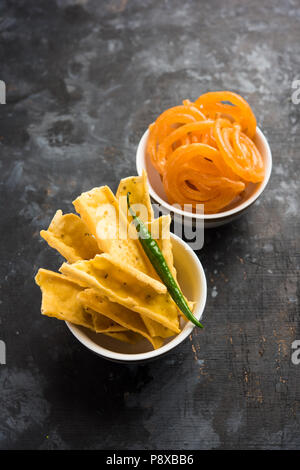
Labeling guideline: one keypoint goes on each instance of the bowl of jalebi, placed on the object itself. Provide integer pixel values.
(205, 159)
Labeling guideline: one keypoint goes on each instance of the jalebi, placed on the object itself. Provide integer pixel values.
(215, 103)
(204, 150)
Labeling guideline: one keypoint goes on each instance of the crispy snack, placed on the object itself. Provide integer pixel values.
(121, 285)
(160, 230)
(138, 187)
(158, 261)
(69, 235)
(127, 251)
(102, 323)
(126, 337)
(109, 285)
(115, 274)
(59, 300)
(100, 211)
(91, 299)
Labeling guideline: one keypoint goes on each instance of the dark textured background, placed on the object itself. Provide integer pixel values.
(84, 79)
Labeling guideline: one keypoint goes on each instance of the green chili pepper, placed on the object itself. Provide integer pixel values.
(158, 261)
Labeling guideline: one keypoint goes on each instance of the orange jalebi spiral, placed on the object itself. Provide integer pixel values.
(165, 123)
(238, 151)
(215, 103)
(182, 133)
(191, 177)
(204, 151)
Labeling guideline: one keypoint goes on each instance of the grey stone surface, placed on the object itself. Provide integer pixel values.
(84, 79)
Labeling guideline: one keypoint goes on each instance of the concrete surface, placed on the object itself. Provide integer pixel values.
(84, 79)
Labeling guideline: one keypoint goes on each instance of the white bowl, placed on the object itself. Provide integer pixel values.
(156, 189)
(192, 281)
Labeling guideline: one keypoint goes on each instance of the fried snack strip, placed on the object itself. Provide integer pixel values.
(69, 235)
(91, 299)
(103, 222)
(59, 300)
(124, 286)
(100, 210)
(138, 188)
(102, 323)
(160, 230)
(126, 337)
(161, 225)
